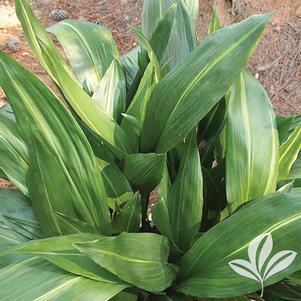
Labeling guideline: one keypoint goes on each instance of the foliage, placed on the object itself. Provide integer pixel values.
(184, 122)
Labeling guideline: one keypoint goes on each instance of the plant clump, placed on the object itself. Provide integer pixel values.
(183, 123)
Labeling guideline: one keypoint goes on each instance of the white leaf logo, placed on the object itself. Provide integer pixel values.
(259, 268)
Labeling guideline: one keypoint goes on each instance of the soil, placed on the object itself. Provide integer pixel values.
(276, 62)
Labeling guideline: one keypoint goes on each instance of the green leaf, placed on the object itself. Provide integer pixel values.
(284, 123)
(61, 252)
(89, 48)
(116, 203)
(161, 35)
(12, 200)
(138, 106)
(17, 224)
(214, 22)
(150, 51)
(3, 175)
(17, 216)
(242, 298)
(193, 10)
(164, 185)
(185, 198)
(296, 122)
(126, 295)
(110, 93)
(116, 184)
(37, 279)
(7, 112)
(154, 50)
(295, 172)
(250, 117)
(182, 39)
(137, 258)
(151, 15)
(144, 171)
(288, 152)
(128, 219)
(23, 222)
(179, 94)
(133, 126)
(286, 186)
(38, 110)
(161, 219)
(160, 298)
(48, 188)
(14, 156)
(281, 292)
(130, 66)
(9, 239)
(214, 195)
(293, 286)
(210, 130)
(71, 225)
(87, 109)
(205, 269)
(297, 185)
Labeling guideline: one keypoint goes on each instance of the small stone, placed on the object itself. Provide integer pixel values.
(99, 23)
(13, 44)
(59, 14)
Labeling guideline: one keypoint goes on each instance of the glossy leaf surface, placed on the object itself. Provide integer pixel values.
(251, 162)
(205, 269)
(191, 88)
(89, 48)
(141, 264)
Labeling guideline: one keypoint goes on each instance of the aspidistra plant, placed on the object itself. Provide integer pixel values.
(182, 123)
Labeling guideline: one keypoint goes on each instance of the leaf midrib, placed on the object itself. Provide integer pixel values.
(129, 259)
(269, 230)
(205, 71)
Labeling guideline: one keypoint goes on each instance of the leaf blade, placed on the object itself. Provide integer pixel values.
(16, 283)
(288, 152)
(110, 92)
(14, 158)
(250, 116)
(177, 94)
(89, 48)
(91, 114)
(203, 269)
(133, 262)
(38, 110)
(61, 252)
(185, 198)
